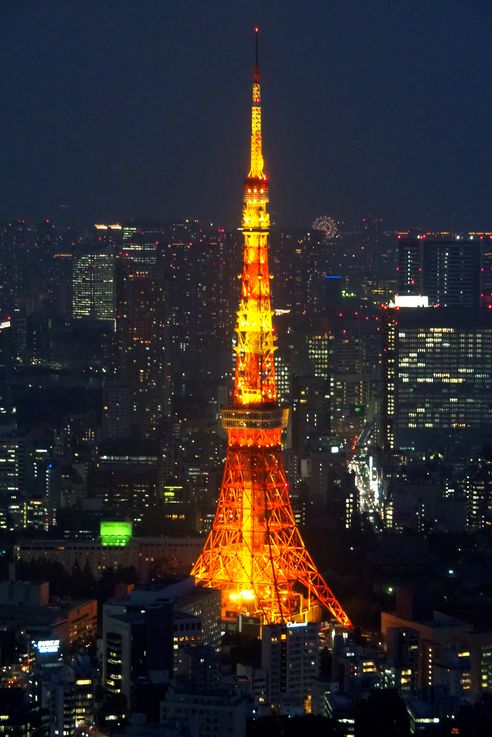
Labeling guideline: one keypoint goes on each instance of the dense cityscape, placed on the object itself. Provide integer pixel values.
(225, 516)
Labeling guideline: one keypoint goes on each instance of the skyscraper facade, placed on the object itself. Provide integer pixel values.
(437, 367)
(12, 246)
(142, 335)
(94, 286)
(446, 270)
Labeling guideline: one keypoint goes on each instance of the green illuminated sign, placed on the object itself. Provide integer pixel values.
(116, 533)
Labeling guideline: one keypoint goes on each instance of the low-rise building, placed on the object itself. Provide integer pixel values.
(207, 714)
(27, 606)
(172, 554)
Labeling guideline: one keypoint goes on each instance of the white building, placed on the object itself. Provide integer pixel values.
(290, 656)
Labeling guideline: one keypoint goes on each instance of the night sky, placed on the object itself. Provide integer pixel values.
(124, 108)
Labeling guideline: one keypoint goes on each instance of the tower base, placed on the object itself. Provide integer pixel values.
(252, 626)
(306, 612)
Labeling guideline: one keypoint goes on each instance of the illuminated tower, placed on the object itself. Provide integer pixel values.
(254, 552)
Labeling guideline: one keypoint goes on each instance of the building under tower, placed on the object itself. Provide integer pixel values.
(254, 553)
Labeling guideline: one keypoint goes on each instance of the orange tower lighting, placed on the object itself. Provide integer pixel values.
(254, 552)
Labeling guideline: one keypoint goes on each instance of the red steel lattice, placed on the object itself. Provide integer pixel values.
(254, 552)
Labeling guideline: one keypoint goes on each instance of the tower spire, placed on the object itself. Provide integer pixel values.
(256, 167)
(254, 552)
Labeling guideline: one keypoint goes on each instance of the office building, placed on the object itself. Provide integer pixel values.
(142, 331)
(478, 491)
(59, 281)
(20, 717)
(115, 423)
(13, 236)
(445, 269)
(66, 697)
(290, 657)
(126, 476)
(25, 605)
(94, 285)
(141, 243)
(310, 410)
(354, 372)
(486, 270)
(12, 480)
(437, 650)
(137, 644)
(355, 668)
(318, 348)
(437, 375)
(144, 631)
(36, 515)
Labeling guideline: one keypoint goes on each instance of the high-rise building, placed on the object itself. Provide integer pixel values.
(143, 350)
(318, 347)
(12, 467)
(374, 249)
(13, 238)
(478, 490)
(60, 282)
(437, 376)
(208, 299)
(254, 553)
(67, 698)
(290, 252)
(180, 257)
(115, 423)
(142, 332)
(48, 269)
(143, 632)
(135, 642)
(36, 514)
(354, 372)
(446, 270)
(108, 236)
(141, 243)
(290, 657)
(310, 410)
(94, 286)
(486, 270)
(126, 478)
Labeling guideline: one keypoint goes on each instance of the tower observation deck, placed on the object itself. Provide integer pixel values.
(254, 552)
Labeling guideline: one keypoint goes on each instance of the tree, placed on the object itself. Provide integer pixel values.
(283, 726)
(383, 714)
(476, 720)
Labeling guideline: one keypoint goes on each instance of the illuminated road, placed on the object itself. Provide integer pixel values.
(360, 468)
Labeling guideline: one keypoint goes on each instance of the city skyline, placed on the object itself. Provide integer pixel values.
(179, 434)
(125, 116)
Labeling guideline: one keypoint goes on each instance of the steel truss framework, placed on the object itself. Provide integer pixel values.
(254, 552)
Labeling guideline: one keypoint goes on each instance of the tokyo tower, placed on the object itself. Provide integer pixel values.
(254, 552)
